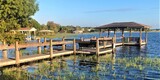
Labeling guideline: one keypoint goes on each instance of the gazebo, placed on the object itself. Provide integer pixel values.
(126, 26)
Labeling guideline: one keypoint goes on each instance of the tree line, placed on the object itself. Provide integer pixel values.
(15, 14)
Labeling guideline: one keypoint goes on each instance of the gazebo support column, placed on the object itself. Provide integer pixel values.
(100, 33)
(140, 37)
(34, 34)
(130, 35)
(122, 36)
(108, 32)
(114, 35)
(146, 36)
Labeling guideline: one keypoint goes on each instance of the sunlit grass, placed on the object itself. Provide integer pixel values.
(59, 35)
(59, 69)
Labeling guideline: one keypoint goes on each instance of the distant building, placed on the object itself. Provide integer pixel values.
(29, 32)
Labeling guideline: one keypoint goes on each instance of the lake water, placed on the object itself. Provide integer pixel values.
(127, 63)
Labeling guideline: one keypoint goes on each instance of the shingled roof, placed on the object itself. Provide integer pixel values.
(123, 25)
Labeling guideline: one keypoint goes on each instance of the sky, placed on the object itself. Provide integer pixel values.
(92, 13)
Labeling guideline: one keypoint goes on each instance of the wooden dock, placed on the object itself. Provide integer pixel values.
(94, 45)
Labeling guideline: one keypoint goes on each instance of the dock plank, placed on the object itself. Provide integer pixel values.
(7, 62)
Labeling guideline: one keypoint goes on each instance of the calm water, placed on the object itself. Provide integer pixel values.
(114, 70)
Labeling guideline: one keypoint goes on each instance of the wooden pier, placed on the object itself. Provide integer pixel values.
(97, 46)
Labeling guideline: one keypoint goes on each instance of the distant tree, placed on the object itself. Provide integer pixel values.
(78, 28)
(35, 24)
(53, 26)
(44, 27)
(16, 13)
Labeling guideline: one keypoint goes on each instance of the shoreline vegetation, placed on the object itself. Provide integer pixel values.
(59, 68)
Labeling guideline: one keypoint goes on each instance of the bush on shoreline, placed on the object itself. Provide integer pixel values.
(11, 38)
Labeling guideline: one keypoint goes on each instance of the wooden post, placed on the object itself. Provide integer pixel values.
(113, 45)
(122, 36)
(74, 46)
(45, 48)
(100, 32)
(4, 52)
(104, 43)
(130, 35)
(39, 47)
(140, 37)
(17, 53)
(45, 40)
(51, 49)
(114, 35)
(63, 45)
(146, 36)
(97, 46)
(108, 32)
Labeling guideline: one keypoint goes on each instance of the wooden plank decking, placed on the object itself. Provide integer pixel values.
(99, 46)
(35, 57)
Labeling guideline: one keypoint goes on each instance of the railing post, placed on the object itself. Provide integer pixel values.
(51, 49)
(45, 40)
(113, 45)
(74, 46)
(140, 42)
(104, 43)
(39, 47)
(63, 45)
(140, 37)
(45, 48)
(17, 53)
(4, 51)
(97, 46)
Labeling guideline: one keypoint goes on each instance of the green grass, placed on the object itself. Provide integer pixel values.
(59, 66)
(59, 35)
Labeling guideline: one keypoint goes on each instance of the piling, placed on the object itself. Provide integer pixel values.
(113, 45)
(104, 43)
(63, 45)
(17, 53)
(74, 46)
(51, 49)
(97, 46)
(39, 47)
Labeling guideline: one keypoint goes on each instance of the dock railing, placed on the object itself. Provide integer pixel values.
(5, 47)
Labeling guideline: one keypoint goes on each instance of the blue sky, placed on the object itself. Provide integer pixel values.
(98, 12)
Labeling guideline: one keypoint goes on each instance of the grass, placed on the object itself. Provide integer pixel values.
(59, 35)
(60, 69)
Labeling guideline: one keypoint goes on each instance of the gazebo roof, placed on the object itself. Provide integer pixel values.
(123, 25)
